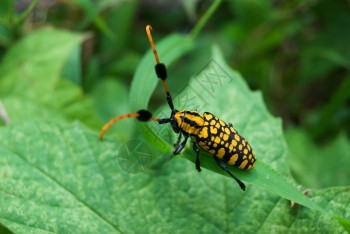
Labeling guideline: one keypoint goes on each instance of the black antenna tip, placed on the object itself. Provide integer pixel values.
(144, 115)
(161, 71)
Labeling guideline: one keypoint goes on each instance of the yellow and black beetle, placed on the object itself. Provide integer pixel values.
(207, 132)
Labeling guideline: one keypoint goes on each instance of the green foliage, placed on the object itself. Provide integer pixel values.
(309, 159)
(68, 187)
(56, 176)
(31, 86)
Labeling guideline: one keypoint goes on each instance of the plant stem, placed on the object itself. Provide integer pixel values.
(202, 21)
(11, 11)
(26, 12)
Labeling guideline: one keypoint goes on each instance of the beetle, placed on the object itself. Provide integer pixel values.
(207, 132)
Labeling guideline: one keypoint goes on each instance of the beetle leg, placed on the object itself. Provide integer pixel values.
(179, 147)
(176, 145)
(223, 166)
(196, 149)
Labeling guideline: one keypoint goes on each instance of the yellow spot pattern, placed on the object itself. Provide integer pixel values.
(237, 137)
(233, 159)
(245, 151)
(223, 141)
(221, 153)
(205, 147)
(234, 143)
(243, 164)
(230, 148)
(213, 130)
(208, 117)
(225, 137)
(204, 132)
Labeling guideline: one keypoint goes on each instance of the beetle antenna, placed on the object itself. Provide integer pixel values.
(160, 68)
(141, 115)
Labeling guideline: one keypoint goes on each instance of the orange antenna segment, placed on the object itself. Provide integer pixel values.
(149, 35)
(155, 119)
(165, 86)
(114, 120)
(140, 115)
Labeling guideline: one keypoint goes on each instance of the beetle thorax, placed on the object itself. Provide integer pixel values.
(189, 122)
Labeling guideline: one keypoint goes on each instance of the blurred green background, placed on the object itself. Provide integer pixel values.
(296, 52)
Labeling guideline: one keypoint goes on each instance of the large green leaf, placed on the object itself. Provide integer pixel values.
(32, 67)
(70, 101)
(31, 86)
(20, 110)
(60, 178)
(49, 181)
(65, 103)
(220, 90)
(279, 217)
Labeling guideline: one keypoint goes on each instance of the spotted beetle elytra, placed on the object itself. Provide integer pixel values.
(207, 132)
